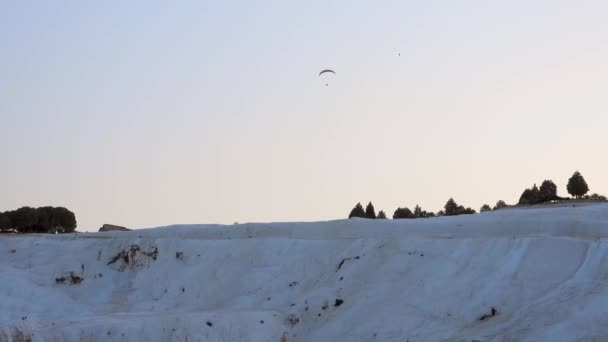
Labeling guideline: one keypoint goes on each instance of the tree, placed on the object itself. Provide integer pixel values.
(403, 213)
(5, 222)
(45, 220)
(530, 196)
(464, 211)
(419, 213)
(381, 215)
(42, 220)
(500, 204)
(596, 197)
(547, 191)
(577, 186)
(23, 219)
(370, 212)
(357, 211)
(535, 193)
(484, 208)
(65, 221)
(525, 197)
(450, 208)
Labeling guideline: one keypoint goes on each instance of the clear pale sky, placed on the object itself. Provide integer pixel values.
(146, 113)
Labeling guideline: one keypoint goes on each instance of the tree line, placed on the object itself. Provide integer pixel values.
(577, 187)
(52, 220)
(451, 208)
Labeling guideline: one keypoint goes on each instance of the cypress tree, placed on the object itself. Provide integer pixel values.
(370, 212)
(357, 211)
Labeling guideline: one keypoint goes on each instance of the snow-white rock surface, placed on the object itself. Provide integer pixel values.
(544, 271)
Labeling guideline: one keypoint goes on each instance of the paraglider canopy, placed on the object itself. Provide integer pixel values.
(327, 70)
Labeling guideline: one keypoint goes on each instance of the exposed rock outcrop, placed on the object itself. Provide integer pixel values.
(133, 258)
(110, 227)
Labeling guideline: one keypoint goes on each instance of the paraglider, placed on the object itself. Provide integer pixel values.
(325, 72)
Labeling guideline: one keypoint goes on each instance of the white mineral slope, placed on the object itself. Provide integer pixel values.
(544, 271)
